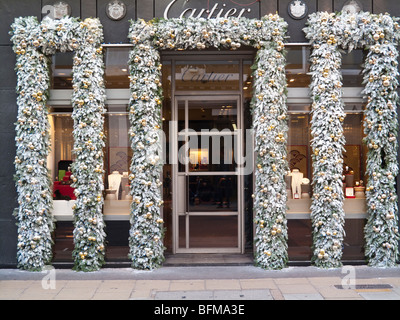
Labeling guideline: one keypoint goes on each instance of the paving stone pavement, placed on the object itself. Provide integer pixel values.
(203, 283)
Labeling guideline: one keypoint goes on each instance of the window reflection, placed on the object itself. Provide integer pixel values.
(62, 156)
(355, 150)
(212, 153)
(299, 144)
(207, 75)
(352, 68)
(247, 79)
(299, 148)
(298, 66)
(118, 155)
(210, 193)
(116, 67)
(61, 69)
(213, 115)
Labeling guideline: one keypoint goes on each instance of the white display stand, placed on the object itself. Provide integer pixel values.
(117, 209)
(300, 209)
(62, 210)
(113, 210)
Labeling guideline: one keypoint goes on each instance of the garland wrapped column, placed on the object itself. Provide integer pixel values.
(146, 233)
(327, 214)
(88, 108)
(270, 132)
(380, 34)
(33, 215)
(33, 43)
(270, 123)
(381, 129)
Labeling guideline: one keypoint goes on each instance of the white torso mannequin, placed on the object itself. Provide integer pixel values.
(114, 181)
(297, 176)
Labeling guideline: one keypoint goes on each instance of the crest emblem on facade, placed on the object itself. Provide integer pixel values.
(116, 10)
(61, 9)
(297, 9)
(352, 6)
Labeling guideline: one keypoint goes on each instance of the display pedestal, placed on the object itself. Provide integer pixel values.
(111, 194)
(305, 191)
(359, 192)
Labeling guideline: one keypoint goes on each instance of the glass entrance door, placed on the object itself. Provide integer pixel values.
(208, 198)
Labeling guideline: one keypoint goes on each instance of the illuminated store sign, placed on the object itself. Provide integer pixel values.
(195, 74)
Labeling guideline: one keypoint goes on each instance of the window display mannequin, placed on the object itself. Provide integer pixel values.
(297, 178)
(114, 182)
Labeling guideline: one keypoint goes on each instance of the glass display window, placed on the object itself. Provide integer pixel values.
(61, 70)
(299, 181)
(61, 157)
(115, 75)
(116, 67)
(208, 76)
(118, 155)
(356, 151)
(205, 75)
(298, 57)
(352, 68)
(247, 80)
(117, 199)
(117, 158)
(299, 154)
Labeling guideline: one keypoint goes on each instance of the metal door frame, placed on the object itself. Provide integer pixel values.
(179, 188)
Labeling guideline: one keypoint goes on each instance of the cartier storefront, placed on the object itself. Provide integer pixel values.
(209, 165)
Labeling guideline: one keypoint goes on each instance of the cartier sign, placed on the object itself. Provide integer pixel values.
(207, 9)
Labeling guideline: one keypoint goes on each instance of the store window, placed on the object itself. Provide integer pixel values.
(299, 182)
(116, 67)
(117, 199)
(117, 154)
(202, 76)
(61, 70)
(298, 63)
(352, 68)
(62, 155)
(299, 155)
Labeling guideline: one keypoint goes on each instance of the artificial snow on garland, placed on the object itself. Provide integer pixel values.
(379, 33)
(270, 127)
(33, 43)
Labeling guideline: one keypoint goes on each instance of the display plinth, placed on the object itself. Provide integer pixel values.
(300, 208)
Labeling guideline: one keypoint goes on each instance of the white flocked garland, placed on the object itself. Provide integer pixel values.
(379, 33)
(270, 127)
(33, 43)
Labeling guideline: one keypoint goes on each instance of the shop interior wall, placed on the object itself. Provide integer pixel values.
(114, 32)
